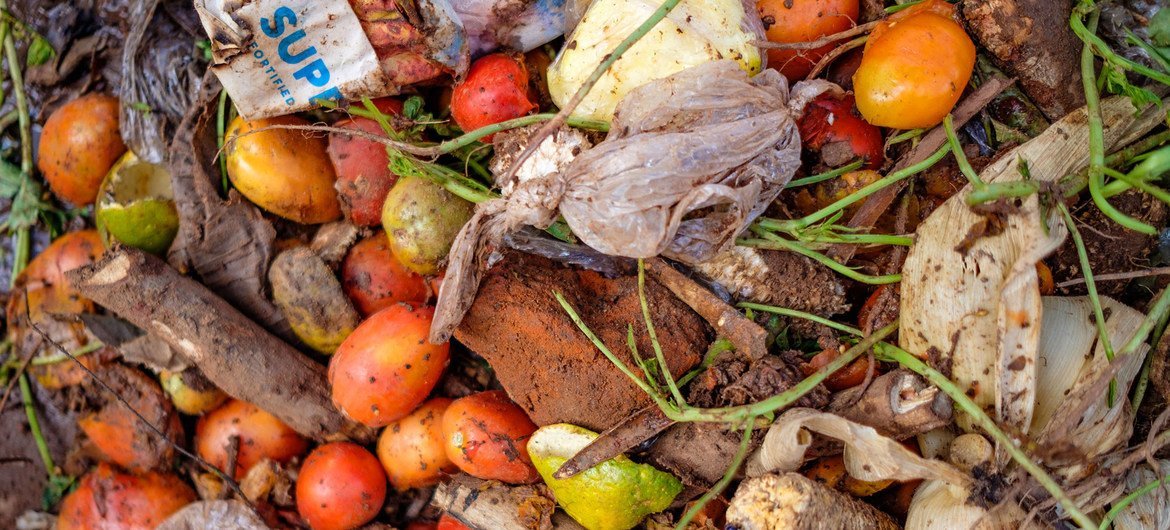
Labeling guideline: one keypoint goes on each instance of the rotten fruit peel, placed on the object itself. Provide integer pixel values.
(613, 495)
(692, 34)
(136, 205)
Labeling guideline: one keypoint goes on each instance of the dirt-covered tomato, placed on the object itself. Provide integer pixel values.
(283, 171)
(495, 90)
(79, 145)
(386, 367)
(117, 434)
(106, 499)
(803, 21)
(411, 449)
(832, 127)
(915, 66)
(486, 435)
(446, 522)
(363, 178)
(851, 375)
(259, 435)
(374, 279)
(340, 487)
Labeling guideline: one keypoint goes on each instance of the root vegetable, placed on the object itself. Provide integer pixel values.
(282, 171)
(374, 279)
(915, 66)
(793, 502)
(361, 165)
(803, 21)
(386, 367)
(236, 354)
(78, 146)
(259, 435)
(421, 220)
(309, 295)
(340, 487)
(486, 435)
(106, 499)
(411, 449)
(495, 90)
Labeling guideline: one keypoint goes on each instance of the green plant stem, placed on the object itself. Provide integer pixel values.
(22, 247)
(661, 357)
(1002, 190)
(782, 311)
(773, 242)
(26, 155)
(909, 361)
(961, 157)
(788, 397)
(716, 348)
(1143, 381)
(828, 175)
(845, 202)
(1134, 495)
(728, 476)
(34, 425)
(1091, 288)
(220, 115)
(907, 135)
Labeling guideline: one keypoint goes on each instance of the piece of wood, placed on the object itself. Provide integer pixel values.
(638, 428)
(489, 505)
(793, 502)
(233, 352)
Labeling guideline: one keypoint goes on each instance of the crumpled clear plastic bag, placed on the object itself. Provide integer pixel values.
(690, 161)
(519, 25)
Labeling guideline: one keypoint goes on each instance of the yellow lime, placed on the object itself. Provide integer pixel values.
(613, 495)
(136, 205)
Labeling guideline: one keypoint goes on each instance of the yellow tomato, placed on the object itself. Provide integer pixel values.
(283, 171)
(915, 66)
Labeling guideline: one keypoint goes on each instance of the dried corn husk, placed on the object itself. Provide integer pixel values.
(869, 456)
(976, 307)
(1152, 510)
(937, 505)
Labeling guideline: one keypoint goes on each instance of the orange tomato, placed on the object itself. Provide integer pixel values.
(914, 68)
(340, 487)
(803, 21)
(851, 375)
(283, 171)
(261, 436)
(486, 435)
(386, 367)
(1044, 275)
(106, 499)
(411, 449)
(374, 279)
(446, 522)
(78, 146)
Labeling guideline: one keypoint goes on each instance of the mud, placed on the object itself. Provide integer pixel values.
(547, 365)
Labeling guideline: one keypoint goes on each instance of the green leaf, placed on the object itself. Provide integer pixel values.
(140, 107)
(413, 108)
(10, 180)
(56, 489)
(1117, 83)
(203, 49)
(39, 51)
(1159, 27)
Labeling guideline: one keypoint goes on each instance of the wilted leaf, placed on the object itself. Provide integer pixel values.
(39, 51)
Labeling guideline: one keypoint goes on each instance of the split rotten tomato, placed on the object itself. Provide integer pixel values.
(107, 499)
(833, 127)
(790, 21)
(486, 435)
(260, 435)
(915, 66)
(495, 90)
(340, 487)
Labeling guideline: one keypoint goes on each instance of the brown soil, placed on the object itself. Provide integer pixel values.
(547, 365)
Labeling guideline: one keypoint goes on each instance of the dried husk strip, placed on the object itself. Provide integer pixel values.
(869, 456)
(1149, 511)
(975, 307)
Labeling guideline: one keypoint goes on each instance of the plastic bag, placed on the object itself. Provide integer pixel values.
(689, 162)
(520, 25)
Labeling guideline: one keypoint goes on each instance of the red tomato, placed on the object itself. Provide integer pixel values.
(495, 90)
(386, 367)
(851, 375)
(833, 127)
(340, 487)
(363, 175)
(446, 522)
(411, 449)
(486, 435)
(261, 435)
(106, 499)
(422, 525)
(374, 279)
(803, 21)
(915, 66)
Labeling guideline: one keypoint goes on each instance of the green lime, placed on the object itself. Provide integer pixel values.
(613, 495)
(136, 205)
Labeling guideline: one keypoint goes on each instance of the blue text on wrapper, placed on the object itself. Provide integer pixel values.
(315, 73)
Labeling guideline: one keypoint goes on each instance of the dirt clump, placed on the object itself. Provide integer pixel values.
(547, 365)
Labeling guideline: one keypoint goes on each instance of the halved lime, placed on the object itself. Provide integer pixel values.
(136, 205)
(613, 495)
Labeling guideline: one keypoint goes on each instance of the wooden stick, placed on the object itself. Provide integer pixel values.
(489, 505)
(233, 352)
(793, 502)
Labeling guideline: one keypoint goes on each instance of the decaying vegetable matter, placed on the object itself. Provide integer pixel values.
(585, 265)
